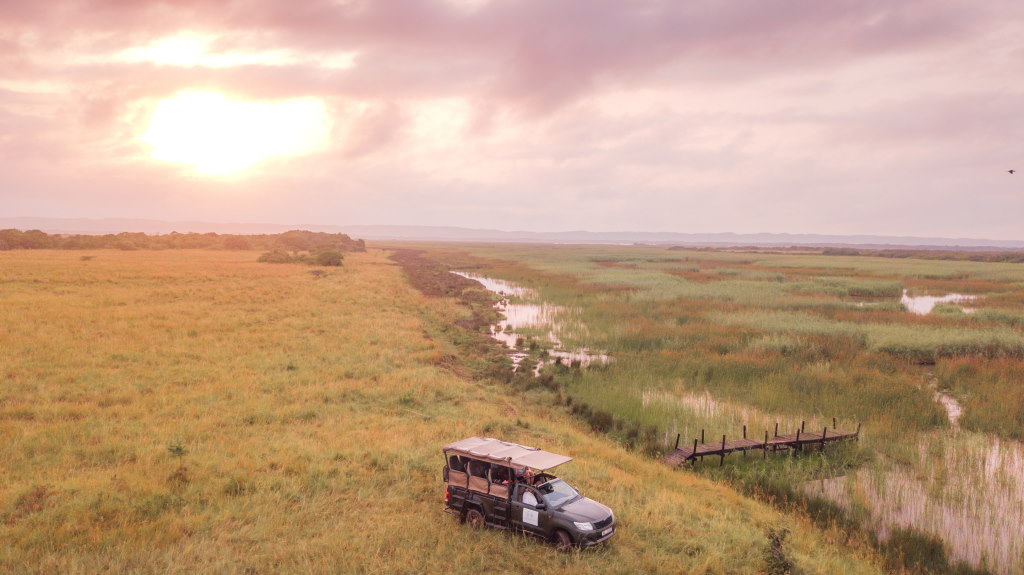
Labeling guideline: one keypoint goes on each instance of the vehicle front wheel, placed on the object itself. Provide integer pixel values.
(475, 518)
(562, 540)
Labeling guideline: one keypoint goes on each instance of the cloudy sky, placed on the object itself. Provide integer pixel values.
(799, 116)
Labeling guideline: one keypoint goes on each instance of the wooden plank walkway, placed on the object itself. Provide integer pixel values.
(794, 441)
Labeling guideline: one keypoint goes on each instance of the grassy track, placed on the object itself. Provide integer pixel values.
(198, 412)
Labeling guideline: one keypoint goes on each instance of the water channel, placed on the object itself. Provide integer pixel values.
(923, 305)
(517, 314)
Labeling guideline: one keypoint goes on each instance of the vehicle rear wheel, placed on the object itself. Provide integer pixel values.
(562, 540)
(475, 518)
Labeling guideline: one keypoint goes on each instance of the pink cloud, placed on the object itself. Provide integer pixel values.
(537, 55)
(373, 129)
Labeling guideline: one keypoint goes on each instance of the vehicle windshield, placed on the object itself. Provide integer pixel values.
(557, 493)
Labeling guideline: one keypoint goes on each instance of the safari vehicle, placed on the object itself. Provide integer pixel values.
(507, 486)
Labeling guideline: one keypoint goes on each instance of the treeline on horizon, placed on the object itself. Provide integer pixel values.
(1012, 257)
(988, 255)
(290, 241)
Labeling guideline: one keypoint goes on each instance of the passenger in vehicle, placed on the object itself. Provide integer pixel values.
(529, 498)
(500, 475)
(478, 468)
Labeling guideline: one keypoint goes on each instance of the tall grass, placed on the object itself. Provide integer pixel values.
(198, 412)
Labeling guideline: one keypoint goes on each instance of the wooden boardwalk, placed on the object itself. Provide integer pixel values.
(795, 441)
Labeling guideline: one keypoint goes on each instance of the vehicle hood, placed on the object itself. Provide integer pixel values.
(587, 509)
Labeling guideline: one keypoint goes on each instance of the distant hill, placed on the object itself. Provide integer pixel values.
(456, 234)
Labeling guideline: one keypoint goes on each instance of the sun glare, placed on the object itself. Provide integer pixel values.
(217, 136)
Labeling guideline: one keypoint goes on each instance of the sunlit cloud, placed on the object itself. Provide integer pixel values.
(470, 5)
(440, 122)
(200, 50)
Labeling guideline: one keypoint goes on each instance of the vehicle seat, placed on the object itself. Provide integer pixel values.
(458, 478)
(478, 476)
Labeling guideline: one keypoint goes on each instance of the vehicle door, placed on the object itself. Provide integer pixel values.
(530, 511)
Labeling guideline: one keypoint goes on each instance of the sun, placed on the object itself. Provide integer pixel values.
(217, 136)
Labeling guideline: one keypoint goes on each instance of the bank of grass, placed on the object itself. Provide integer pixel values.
(198, 412)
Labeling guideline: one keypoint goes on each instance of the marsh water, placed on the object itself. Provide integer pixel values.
(521, 309)
(964, 488)
(924, 304)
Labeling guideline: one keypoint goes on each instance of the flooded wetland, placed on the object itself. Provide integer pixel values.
(925, 354)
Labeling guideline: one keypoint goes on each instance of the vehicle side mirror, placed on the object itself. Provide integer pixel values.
(445, 474)
(541, 506)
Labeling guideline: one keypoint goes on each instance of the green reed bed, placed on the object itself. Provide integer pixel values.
(848, 287)
(924, 344)
(914, 342)
(1009, 318)
(905, 268)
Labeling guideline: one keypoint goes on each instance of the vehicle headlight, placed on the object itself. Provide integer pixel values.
(583, 526)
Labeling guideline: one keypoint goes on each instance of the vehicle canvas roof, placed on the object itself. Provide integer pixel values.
(510, 454)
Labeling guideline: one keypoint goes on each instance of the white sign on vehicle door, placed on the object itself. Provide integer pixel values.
(530, 517)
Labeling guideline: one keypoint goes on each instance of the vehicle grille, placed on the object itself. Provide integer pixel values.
(599, 525)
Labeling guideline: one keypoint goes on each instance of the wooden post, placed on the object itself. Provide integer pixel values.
(694, 454)
(797, 446)
(702, 436)
(858, 432)
(722, 462)
(834, 423)
(678, 435)
(802, 423)
(744, 432)
(824, 432)
(765, 450)
(776, 429)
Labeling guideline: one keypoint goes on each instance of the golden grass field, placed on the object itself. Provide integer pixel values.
(198, 412)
